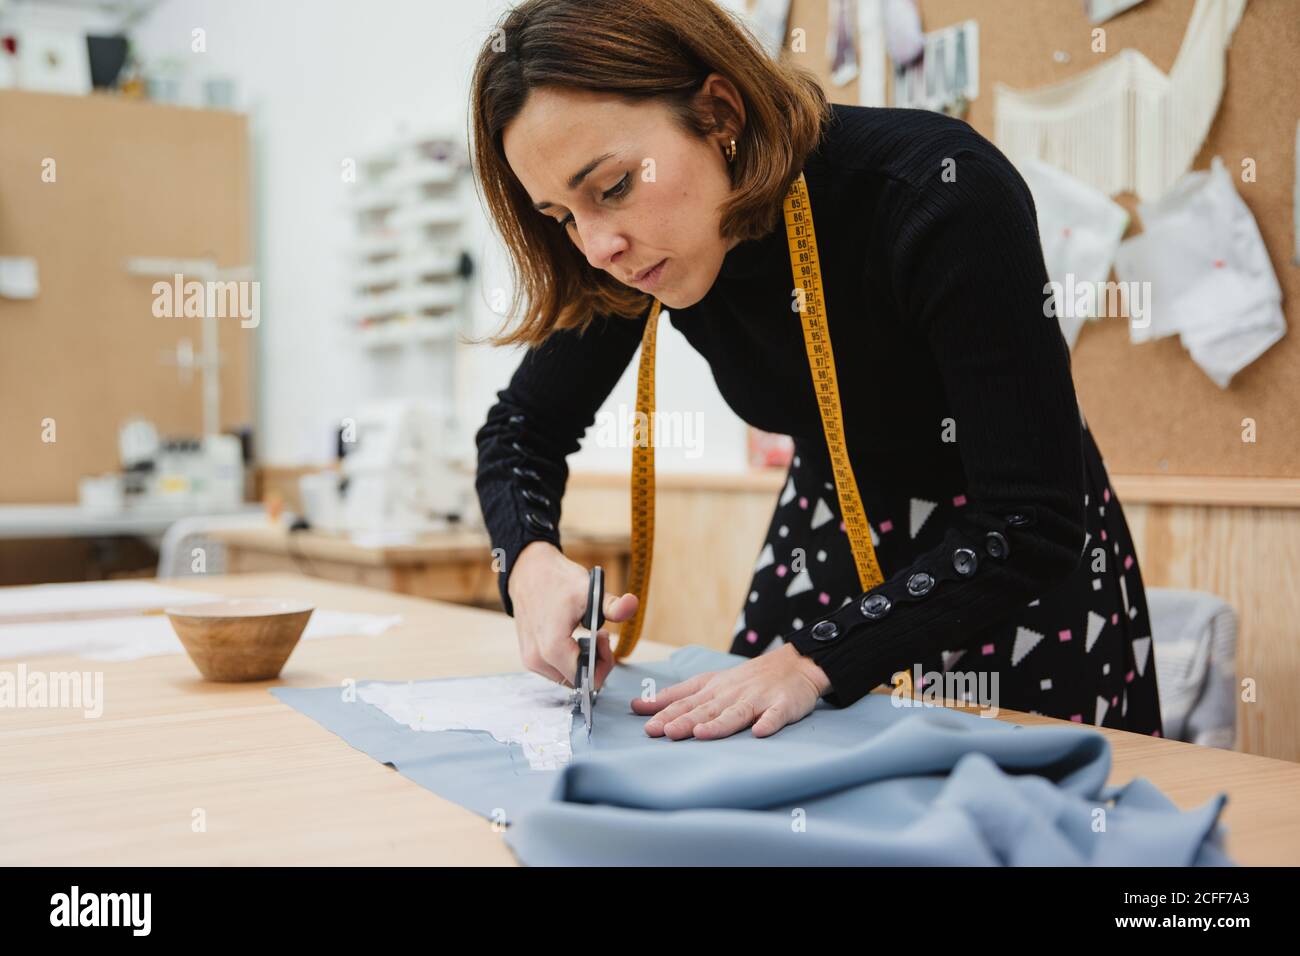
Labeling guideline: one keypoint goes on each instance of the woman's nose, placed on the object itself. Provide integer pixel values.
(600, 246)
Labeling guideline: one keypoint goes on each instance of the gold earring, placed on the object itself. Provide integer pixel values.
(731, 152)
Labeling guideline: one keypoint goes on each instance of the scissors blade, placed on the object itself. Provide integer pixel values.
(594, 617)
(587, 702)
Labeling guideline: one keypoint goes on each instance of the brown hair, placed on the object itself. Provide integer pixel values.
(639, 50)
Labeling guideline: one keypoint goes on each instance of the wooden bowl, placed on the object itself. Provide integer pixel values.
(240, 639)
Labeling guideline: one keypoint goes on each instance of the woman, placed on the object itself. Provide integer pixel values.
(630, 150)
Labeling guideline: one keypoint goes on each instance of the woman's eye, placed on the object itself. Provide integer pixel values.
(618, 189)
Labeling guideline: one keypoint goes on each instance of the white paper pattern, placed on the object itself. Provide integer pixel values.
(108, 598)
(130, 638)
(523, 709)
(1080, 229)
(1210, 275)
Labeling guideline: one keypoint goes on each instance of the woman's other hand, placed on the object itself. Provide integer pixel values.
(768, 692)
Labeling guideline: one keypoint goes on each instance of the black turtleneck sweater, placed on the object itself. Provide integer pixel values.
(934, 282)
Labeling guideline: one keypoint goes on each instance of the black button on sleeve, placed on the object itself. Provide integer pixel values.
(965, 561)
(825, 631)
(537, 522)
(1022, 518)
(535, 497)
(920, 584)
(875, 606)
(996, 545)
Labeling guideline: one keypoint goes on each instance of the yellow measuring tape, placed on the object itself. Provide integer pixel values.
(643, 489)
(806, 269)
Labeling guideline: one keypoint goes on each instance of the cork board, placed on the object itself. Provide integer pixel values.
(131, 179)
(1152, 410)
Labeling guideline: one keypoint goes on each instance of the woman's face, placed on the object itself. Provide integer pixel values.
(631, 189)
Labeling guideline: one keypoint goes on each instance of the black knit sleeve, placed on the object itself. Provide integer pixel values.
(537, 422)
(969, 275)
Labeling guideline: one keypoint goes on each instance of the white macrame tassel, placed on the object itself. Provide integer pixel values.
(1124, 126)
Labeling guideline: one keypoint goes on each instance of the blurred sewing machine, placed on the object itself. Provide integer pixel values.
(176, 475)
(397, 474)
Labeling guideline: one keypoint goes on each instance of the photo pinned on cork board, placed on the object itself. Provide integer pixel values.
(945, 78)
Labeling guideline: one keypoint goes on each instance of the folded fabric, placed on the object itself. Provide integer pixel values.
(1209, 274)
(1195, 634)
(932, 787)
(1080, 228)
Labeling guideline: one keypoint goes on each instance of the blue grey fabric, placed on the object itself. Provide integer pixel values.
(869, 784)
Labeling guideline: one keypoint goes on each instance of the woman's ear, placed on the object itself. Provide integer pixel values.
(720, 96)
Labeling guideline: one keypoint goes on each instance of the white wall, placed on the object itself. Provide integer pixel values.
(322, 80)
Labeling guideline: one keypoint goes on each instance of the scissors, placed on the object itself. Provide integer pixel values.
(584, 688)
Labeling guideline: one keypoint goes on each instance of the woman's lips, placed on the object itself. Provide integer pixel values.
(647, 282)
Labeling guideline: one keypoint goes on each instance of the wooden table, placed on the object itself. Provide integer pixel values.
(454, 566)
(277, 788)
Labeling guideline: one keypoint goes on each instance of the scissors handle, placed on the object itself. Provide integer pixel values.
(596, 599)
(593, 616)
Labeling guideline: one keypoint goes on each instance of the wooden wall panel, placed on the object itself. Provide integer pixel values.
(1248, 557)
(132, 179)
